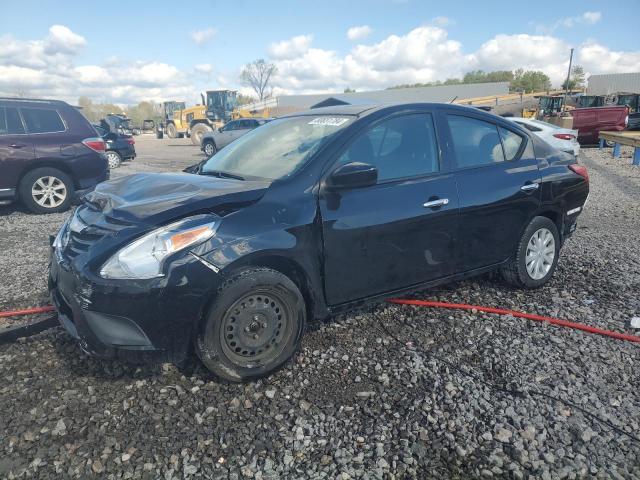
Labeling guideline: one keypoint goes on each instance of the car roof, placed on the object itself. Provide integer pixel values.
(18, 101)
(362, 110)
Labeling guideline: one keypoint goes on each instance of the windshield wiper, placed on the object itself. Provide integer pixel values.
(221, 174)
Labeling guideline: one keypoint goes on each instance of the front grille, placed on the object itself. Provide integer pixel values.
(87, 227)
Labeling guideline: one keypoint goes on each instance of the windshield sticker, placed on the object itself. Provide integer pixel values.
(329, 121)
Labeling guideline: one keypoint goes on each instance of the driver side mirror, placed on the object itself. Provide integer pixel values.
(195, 169)
(352, 175)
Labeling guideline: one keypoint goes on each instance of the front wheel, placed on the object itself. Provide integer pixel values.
(172, 131)
(254, 326)
(209, 148)
(536, 257)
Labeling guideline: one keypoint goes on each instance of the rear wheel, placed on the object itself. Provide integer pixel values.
(172, 131)
(197, 132)
(536, 257)
(114, 159)
(254, 326)
(46, 190)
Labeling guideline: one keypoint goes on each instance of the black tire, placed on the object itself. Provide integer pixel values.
(209, 148)
(30, 182)
(609, 144)
(114, 159)
(515, 272)
(172, 131)
(254, 326)
(197, 132)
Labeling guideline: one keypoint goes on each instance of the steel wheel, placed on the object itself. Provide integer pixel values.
(49, 192)
(541, 251)
(256, 328)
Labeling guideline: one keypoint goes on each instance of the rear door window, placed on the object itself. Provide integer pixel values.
(10, 122)
(41, 120)
(511, 142)
(475, 142)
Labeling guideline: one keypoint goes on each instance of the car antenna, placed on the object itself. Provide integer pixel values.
(453, 99)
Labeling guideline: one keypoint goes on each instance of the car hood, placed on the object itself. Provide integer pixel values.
(151, 198)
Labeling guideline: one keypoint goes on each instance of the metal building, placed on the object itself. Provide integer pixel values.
(613, 83)
(443, 93)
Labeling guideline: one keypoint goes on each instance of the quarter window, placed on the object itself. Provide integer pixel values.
(10, 123)
(511, 142)
(475, 142)
(400, 147)
(40, 120)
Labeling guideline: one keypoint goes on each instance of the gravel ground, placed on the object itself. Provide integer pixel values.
(386, 392)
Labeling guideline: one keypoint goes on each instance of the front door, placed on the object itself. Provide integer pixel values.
(399, 232)
(16, 150)
(499, 187)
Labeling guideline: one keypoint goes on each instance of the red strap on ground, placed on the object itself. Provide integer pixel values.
(27, 311)
(513, 313)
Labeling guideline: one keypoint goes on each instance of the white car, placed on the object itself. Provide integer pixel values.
(561, 138)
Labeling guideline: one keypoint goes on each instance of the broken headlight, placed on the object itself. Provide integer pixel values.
(143, 258)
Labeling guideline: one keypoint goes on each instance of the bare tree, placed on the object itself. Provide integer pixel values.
(257, 75)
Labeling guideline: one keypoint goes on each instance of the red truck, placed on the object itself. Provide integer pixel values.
(591, 121)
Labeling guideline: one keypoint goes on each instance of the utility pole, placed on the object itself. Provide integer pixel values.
(566, 85)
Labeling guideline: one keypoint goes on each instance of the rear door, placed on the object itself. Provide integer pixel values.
(16, 150)
(498, 184)
(399, 232)
(49, 134)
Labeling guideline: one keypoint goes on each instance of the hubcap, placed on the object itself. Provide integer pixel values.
(541, 251)
(113, 160)
(255, 329)
(208, 149)
(49, 192)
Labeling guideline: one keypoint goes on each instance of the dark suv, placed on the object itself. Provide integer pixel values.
(49, 154)
(305, 217)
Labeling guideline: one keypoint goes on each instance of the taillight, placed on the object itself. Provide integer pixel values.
(96, 144)
(131, 141)
(580, 170)
(564, 136)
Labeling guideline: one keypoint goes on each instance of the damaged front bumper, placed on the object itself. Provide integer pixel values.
(133, 319)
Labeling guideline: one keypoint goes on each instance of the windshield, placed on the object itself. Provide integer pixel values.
(275, 149)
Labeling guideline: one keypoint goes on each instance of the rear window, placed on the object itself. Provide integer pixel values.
(10, 123)
(475, 142)
(41, 120)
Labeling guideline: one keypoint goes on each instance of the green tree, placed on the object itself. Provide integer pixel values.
(349, 90)
(529, 81)
(576, 80)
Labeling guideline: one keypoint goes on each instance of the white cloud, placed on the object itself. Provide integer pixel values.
(442, 21)
(50, 67)
(291, 48)
(426, 54)
(204, 68)
(46, 68)
(359, 32)
(201, 37)
(587, 18)
(62, 40)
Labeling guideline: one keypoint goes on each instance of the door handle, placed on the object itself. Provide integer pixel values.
(436, 203)
(528, 187)
(17, 145)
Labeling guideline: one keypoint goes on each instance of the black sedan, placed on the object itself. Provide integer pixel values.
(305, 217)
(120, 146)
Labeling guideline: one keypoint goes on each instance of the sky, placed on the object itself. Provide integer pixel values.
(126, 52)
